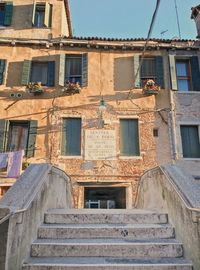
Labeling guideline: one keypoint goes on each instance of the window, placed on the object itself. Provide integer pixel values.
(73, 68)
(71, 137)
(129, 137)
(152, 68)
(42, 14)
(2, 69)
(183, 75)
(190, 141)
(6, 11)
(18, 135)
(43, 72)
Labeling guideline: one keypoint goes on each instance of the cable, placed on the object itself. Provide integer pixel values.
(177, 18)
(147, 40)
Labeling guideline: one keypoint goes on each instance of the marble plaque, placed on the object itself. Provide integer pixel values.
(100, 144)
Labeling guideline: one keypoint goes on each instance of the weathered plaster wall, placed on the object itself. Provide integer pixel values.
(110, 74)
(21, 26)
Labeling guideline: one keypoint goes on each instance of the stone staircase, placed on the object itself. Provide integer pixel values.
(101, 239)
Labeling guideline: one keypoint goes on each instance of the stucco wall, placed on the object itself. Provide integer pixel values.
(111, 75)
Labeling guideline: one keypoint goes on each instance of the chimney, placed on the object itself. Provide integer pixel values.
(196, 17)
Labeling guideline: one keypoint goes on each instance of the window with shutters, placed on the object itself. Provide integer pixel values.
(184, 72)
(6, 12)
(148, 70)
(42, 15)
(18, 135)
(129, 137)
(190, 141)
(71, 137)
(35, 72)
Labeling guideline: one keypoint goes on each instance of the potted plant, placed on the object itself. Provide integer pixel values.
(72, 88)
(35, 88)
(151, 88)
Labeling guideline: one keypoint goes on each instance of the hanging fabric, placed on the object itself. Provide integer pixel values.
(15, 164)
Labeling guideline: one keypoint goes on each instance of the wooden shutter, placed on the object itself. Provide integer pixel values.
(84, 82)
(129, 138)
(137, 82)
(4, 128)
(2, 69)
(47, 13)
(71, 137)
(26, 72)
(51, 73)
(160, 71)
(33, 14)
(62, 70)
(8, 13)
(172, 66)
(32, 133)
(194, 61)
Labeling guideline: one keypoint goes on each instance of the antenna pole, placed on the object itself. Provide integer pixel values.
(177, 18)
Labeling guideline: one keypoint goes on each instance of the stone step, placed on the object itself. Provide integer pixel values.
(106, 248)
(133, 231)
(104, 263)
(99, 216)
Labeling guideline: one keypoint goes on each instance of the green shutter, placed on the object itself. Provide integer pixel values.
(2, 69)
(129, 137)
(84, 81)
(32, 133)
(62, 70)
(26, 72)
(33, 14)
(190, 141)
(194, 61)
(71, 137)
(137, 82)
(47, 13)
(51, 73)
(160, 72)
(4, 128)
(172, 66)
(8, 13)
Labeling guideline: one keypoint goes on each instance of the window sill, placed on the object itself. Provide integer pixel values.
(188, 92)
(70, 157)
(131, 157)
(197, 159)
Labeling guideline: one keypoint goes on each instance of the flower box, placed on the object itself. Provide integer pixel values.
(72, 88)
(151, 88)
(35, 88)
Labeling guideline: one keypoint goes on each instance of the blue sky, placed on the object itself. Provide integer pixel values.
(131, 18)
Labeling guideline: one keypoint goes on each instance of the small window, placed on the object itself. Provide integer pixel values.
(183, 75)
(73, 70)
(155, 132)
(42, 15)
(190, 141)
(71, 137)
(129, 137)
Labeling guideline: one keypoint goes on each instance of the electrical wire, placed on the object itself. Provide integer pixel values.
(147, 40)
(177, 19)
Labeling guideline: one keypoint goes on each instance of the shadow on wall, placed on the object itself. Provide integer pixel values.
(123, 73)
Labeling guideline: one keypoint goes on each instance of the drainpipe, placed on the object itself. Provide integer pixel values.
(173, 132)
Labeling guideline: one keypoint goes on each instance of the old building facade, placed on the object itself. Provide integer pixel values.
(80, 103)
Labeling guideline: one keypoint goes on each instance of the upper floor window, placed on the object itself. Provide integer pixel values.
(2, 70)
(190, 141)
(151, 68)
(129, 137)
(42, 15)
(185, 73)
(73, 68)
(35, 71)
(18, 135)
(6, 12)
